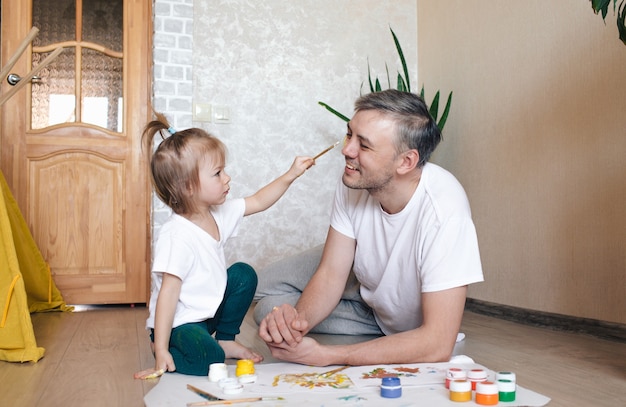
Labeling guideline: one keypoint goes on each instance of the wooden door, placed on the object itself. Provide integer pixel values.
(70, 147)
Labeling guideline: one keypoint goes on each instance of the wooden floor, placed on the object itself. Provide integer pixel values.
(91, 356)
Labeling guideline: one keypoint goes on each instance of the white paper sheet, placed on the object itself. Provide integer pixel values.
(425, 387)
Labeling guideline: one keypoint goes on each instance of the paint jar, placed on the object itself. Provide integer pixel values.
(505, 376)
(217, 372)
(487, 393)
(227, 381)
(247, 378)
(244, 366)
(476, 376)
(455, 373)
(391, 387)
(506, 390)
(460, 390)
(232, 389)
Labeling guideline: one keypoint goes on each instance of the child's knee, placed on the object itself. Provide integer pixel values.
(242, 274)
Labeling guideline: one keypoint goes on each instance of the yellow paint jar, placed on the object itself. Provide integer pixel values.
(244, 367)
(460, 390)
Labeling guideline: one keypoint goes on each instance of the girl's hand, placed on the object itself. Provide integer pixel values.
(164, 360)
(300, 165)
(164, 363)
(150, 373)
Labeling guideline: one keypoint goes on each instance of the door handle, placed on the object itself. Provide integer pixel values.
(14, 78)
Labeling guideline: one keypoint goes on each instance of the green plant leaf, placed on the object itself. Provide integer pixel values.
(621, 21)
(333, 111)
(434, 106)
(601, 6)
(401, 84)
(446, 111)
(404, 67)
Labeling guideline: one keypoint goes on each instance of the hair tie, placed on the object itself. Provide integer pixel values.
(171, 130)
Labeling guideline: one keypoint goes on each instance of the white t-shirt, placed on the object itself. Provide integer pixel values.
(185, 250)
(431, 245)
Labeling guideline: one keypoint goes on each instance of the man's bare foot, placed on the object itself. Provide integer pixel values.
(234, 350)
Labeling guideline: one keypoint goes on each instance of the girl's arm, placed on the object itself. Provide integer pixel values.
(164, 319)
(269, 194)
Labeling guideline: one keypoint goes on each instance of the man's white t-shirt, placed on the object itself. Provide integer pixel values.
(431, 245)
(185, 250)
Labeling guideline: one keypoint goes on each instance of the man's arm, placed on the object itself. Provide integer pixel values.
(321, 295)
(432, 342)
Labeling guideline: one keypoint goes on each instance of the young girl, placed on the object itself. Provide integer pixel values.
(193, 294)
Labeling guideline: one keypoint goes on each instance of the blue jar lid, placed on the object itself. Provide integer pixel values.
(391, 381)
(391, 387)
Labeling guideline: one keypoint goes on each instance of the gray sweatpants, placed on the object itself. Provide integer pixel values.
(282, 283)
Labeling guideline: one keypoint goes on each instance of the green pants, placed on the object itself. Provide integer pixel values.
(193, 346)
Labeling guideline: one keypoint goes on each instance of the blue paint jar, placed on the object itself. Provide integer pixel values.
(391, 387)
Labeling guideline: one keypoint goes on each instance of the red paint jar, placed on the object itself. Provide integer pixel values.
(455, 373)
(476, 376)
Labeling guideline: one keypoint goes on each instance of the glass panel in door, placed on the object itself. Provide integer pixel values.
(90, 68)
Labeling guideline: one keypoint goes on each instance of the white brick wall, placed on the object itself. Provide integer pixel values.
(172, 87)
(173, 40)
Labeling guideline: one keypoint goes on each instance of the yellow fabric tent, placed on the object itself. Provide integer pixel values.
(25, 283)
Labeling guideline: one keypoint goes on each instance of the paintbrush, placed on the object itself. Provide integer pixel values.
(154, 375)
(326, 150)
(232, 401)
(203, 393)
(332, 372)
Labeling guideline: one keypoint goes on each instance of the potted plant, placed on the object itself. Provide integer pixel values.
(402, 84)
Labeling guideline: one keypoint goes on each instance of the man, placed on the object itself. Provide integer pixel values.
(403, 227)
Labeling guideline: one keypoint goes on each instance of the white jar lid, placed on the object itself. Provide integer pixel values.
(233, 388)
(477, 374)
(247, 378)
(227, 381)
(486, 388)
(460, 386)
(505, 376)
(506, 386)
(217, 371)
(456, 373)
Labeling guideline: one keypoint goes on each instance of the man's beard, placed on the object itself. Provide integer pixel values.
(371, 185)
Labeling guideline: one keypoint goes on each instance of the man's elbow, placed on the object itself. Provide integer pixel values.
(440, 353)
(442, 356)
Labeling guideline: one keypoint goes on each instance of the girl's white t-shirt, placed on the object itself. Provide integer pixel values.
(185, 250)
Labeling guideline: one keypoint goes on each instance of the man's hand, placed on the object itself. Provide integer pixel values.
(308, 352)
(283, 326)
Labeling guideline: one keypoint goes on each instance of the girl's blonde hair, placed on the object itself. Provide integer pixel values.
(174, 164)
